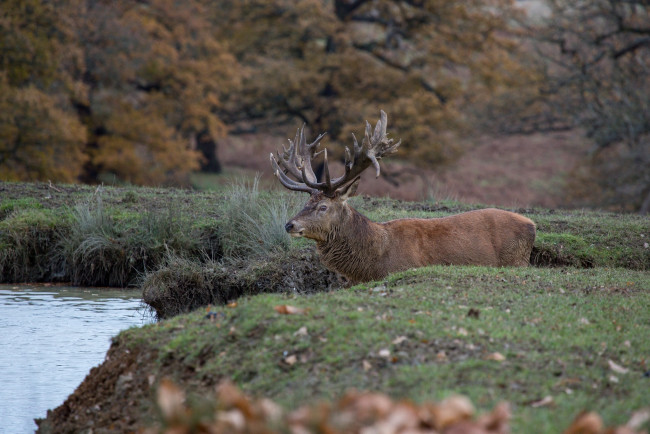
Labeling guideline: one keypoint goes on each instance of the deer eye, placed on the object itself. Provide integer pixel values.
(322, 208)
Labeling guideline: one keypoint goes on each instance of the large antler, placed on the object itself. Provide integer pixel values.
(297, 160)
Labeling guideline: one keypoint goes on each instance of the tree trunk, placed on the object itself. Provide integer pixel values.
(208, 148)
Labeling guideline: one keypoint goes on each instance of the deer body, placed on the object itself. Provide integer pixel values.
(362, 250)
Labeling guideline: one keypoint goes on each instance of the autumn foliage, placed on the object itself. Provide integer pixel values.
(109, 90)
(140, 92)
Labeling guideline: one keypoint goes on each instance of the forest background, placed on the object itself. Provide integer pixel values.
(482, 93)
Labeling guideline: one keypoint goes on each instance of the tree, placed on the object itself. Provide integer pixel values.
(334, 64)
(38, 140)
(153, 76)
(596, 69)
(40, 135)
(144, 79)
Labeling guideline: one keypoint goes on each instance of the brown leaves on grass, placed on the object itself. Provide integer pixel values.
(355, 412)
(591, 423)
(286, 309)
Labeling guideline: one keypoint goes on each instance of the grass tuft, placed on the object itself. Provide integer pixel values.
(252, 222)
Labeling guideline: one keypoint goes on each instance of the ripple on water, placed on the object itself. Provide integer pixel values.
(49, 340)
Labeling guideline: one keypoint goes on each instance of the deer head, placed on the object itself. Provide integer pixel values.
(327, 207)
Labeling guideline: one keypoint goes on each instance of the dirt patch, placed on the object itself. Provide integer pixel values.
(555, 257)
(113, 397)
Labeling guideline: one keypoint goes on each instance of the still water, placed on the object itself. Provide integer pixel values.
(50, 337)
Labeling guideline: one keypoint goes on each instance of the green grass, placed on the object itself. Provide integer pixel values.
(252, 222)
(557, 328)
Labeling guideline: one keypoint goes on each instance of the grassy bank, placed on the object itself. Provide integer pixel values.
(551, 341)
(112, 236)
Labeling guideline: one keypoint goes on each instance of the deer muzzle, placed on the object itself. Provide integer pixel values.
(294, 229)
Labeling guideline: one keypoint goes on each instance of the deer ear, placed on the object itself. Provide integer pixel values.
(346, 192)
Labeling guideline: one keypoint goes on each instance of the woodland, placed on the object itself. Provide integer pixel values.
(142, 92)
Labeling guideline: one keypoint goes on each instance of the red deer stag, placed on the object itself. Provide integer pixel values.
(362, 250)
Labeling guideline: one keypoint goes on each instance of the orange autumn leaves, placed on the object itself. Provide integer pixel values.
(140, 92)
(286, 309)
(356, 412)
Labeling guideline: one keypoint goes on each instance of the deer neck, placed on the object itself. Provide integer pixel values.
(354, 246)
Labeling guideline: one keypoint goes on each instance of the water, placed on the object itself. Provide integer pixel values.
(50, 337)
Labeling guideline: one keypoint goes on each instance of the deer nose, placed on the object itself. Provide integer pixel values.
(288, 226)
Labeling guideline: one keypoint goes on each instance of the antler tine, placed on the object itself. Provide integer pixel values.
(297, 159)
(326, 170)
(286, 181)
(307, 153)
(374, 146)
(288, 159)
(297, 162)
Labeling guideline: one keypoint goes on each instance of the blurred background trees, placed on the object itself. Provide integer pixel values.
(597, 75)
(141, 92)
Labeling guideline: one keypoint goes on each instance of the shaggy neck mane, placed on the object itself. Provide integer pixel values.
(351, 245)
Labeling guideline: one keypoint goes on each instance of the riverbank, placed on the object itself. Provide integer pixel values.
(551, 341)
(492, 334)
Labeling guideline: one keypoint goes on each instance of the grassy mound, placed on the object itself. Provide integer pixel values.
(551, 341)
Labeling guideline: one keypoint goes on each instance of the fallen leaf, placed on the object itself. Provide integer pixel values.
(617, 368)
(399, 340)
(285, 309)
(291, 360)
(613, 379)
(171, 399)
(384, 353)
(366, 365)
(302, 331)
(462, 331)
(452, 410)
(234, 418)
(584, 321)
(497, 420)
(271, 410)
(498, 357)
(233, 304)
(544, 402)
(586, 423)
(638, 418)
(441, 355)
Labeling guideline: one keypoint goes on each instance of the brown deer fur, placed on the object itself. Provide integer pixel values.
(362, 250)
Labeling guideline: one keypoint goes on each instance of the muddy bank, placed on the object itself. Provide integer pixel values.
(181, 285)
(114, 397)
(99, 236)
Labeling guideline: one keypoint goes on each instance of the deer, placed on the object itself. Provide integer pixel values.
(361, 250)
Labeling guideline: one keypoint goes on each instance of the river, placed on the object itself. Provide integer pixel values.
(50, 337)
